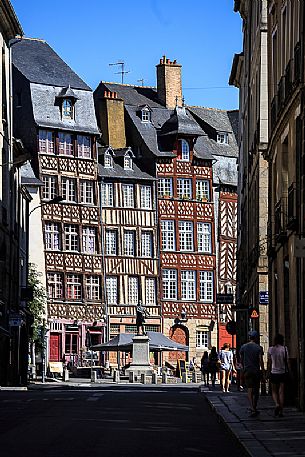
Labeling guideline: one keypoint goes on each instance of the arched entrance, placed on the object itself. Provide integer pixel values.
(180, 334)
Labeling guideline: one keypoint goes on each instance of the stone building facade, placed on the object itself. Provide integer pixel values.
(249, 74)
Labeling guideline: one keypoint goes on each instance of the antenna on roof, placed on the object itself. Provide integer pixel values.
(141, 81)
(123, 71)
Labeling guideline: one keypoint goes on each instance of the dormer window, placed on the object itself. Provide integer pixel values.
(67, 108)
(127, 163)
(223, 138)
(146, 114)
(185, 151)
(108, 160)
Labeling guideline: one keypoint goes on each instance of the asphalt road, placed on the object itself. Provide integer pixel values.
(114, 422)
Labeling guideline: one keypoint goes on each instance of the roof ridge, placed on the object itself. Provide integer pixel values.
(31, 39)
(128, 85)
(210, 108)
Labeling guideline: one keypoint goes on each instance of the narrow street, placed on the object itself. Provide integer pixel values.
(117, 421)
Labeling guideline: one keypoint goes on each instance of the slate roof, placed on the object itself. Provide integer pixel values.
(39, 63)
(28, 177)
(198, 121)
(47, 112)
(118, 171)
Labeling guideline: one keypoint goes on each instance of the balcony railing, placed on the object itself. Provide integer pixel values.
(297, 63)
(292, 213)
(280, 219)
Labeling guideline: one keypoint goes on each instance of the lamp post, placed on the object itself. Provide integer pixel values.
(57, 199)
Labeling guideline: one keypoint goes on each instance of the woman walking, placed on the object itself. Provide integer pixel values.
(213, 365)
(204, 368)
(226, 366)
(278, 369)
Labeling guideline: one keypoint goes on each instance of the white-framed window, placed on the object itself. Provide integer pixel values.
(204, 237)
(89, 240)
(86, 192)
(84, 146)
(52, 236)
(68, 189)
(223, 138)
(111, 242)
(202, 339)
(165, 187)
(49, 187)
(112, 290)
(150, 291)
(128, 162)
(107, 194)
(71, 238)
(65, 144)
(145, 193)
(67, 108)
(93, 287)
(108, 160)
(145, 115)
(185, 150)
(129, 242)
(133, 290)
(186, 236)
(203, 190)
(206, 286)
(168, 237)
(74, 287)
(146, 244)
(169, 284)
(128, 195)
(46, 142)
(55, 285)
(188, 285)
(184, 188)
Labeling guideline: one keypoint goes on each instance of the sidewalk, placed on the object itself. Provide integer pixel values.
(263, 436)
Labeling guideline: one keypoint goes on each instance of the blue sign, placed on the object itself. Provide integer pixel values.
(264, 297)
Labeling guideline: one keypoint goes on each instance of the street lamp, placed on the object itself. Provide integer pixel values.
(57, 199)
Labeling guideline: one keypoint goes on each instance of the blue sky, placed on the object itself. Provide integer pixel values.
(202, 35)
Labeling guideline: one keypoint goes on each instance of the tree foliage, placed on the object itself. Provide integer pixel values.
(37, 306)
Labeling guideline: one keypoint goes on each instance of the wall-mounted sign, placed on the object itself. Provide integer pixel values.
(263, 297)
(254, 314)
(15, 320)
(224, 299)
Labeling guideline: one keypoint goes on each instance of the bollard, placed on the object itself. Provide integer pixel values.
(93, 376)
(131, 376)
(66, 375)
(154, 378)
(184, 378)
(143, 378)
(194, 377)
(116, 376)
(164, 378)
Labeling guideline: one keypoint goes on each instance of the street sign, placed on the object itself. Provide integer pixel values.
(224, 299)
(254, 314)
(299, 247)
(15, 320)
(264, 297)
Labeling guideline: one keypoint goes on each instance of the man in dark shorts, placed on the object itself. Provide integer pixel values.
(251, 357)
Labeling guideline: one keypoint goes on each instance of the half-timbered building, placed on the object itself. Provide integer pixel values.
(54, 117)
(129, 231)
(178, 148)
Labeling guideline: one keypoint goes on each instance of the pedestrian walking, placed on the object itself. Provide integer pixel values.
(213, 365)
(226, 366)
(251, 358)
(277, 372)
(204, 368)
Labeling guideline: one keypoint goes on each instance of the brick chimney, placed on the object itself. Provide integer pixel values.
(110, 115)
(169, 85)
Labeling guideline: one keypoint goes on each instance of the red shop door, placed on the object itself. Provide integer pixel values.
(55, 347)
